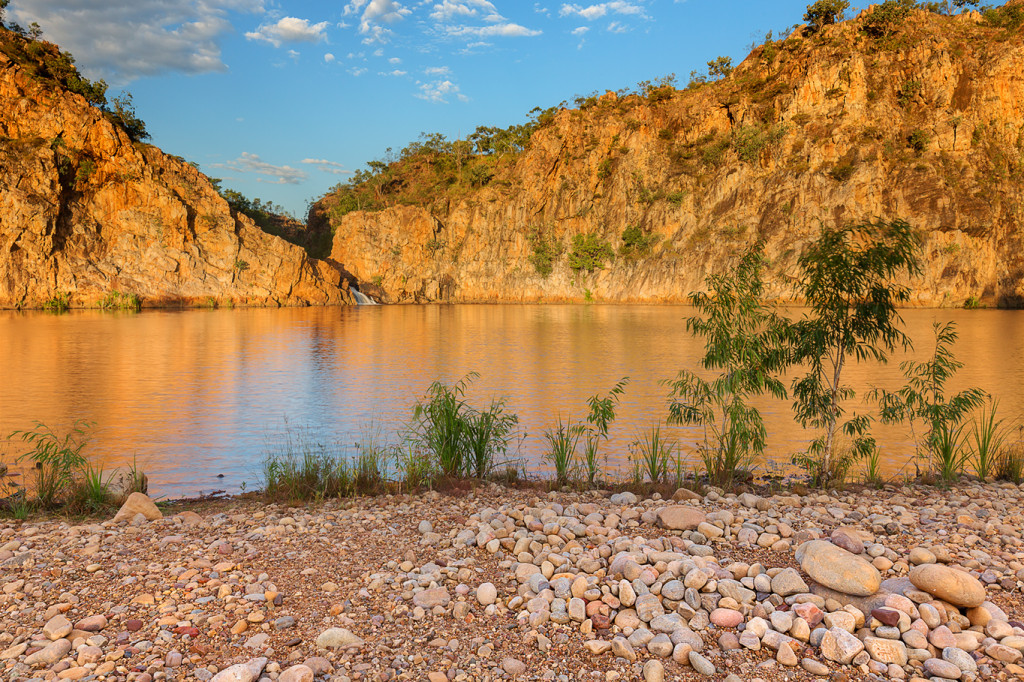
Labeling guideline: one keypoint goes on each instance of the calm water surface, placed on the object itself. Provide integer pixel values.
(193, 394)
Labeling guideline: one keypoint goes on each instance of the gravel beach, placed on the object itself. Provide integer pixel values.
(493, 583)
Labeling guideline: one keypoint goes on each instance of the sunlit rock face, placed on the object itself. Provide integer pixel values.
(817, 130)
(85, 211)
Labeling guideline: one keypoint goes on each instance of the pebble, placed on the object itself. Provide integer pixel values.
(338, 638)
(57, 628)
(513, 666)
(241, 672)
(654, 671)
(701, 664)
(297, 673)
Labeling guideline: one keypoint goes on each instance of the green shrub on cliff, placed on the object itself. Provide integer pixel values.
(58, 303)
(636, 243)
(546, 251)
(122, 112)
(589, 252)
(887, 17)
(120, 300)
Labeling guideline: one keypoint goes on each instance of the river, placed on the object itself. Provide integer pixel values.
(195, 397)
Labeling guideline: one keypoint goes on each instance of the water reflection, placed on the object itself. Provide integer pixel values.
(194, 394)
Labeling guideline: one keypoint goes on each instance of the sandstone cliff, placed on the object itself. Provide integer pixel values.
(85, 211)
(922, 121)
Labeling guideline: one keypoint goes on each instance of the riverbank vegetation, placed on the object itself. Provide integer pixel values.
(852, 278)
(60, 477)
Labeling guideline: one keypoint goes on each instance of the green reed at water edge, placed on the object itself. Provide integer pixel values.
(64, 479)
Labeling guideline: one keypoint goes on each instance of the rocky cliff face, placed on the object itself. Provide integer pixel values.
(85, 211)
(924, 122)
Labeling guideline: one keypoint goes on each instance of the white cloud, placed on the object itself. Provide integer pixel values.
(357, 71)
(373, 14)
(354, 6)
(506, 30)
(439, 90)
(395, 72)
(385, 11)
(252, 163)
(617, 27)
(328, 58)
(289, 30)
(395, 60)
(327, 166)
(437, 71)
(121, 40)
(580, 30)
(461, 19)
(447, 11)
(597, 11)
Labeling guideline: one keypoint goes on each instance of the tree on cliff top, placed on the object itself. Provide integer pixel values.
(122, 112)
(825, 12)
(3, 8)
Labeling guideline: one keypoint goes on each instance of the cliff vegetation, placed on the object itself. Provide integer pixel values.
(907, 111)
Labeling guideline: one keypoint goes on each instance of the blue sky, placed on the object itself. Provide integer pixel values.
(283, 100)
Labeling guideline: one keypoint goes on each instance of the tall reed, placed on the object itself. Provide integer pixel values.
(988, 434)
(654, 452)
(562, 441)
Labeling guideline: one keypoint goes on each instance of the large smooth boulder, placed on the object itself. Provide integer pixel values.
(838, 569)
(138, 503)
(680, 517)
(957, 587)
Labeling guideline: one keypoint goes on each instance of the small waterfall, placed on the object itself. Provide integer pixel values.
(361, 298)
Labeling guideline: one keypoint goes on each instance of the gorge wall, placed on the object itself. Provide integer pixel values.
(85, 211)
(923, 123)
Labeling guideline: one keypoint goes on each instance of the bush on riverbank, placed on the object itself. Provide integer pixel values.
(64, 480)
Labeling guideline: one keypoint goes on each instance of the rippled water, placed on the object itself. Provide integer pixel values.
(193, 394)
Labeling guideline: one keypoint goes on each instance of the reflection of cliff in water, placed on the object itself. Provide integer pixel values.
(196, 393)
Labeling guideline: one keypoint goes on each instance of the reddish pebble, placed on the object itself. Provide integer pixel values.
(133, 625)
(726, 618)
(186, 630)
(841, 538)
(809, 612)
(886, 616)
(600, 621)
(729, 641)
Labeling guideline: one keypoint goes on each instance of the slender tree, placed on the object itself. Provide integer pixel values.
(744, 342)
(852, 280)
